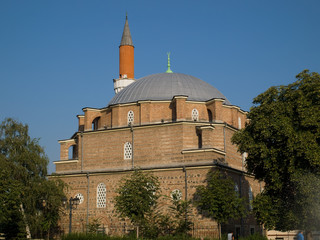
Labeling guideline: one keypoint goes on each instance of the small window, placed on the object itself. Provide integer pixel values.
(199, 134)
(239, 122)
(150, 186)
(195, 115)
(95, 124)
(244, 159)
(130, 117)
(210, 115)
(176, 195)
(72, 152)
(250, 195)
(80, 197)
(101, 195)
(236, 189)
(127, 150)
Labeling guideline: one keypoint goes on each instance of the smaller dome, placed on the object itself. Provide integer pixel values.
(164, 86)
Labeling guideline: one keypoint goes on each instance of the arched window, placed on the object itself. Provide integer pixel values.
(72, 152)
(250, 197)
(210, 115)
(176, 195)
(130, 117)
(95, 123)
(101, 195)
(195, 115)
(127, 150)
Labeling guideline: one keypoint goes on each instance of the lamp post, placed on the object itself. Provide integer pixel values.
(73, 203)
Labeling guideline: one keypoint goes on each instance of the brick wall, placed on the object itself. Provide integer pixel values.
(165, 138)
(170, 179)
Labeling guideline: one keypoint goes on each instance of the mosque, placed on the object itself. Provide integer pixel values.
(171, 124)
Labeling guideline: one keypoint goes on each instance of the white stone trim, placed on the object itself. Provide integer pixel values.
(66, 161)
(203, 150)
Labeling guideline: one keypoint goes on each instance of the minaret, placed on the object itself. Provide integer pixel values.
(126, 60)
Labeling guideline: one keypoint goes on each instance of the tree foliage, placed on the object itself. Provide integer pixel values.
(218, 199)
(137, 197)
(180, 210)
(29, 202)
(282, 141)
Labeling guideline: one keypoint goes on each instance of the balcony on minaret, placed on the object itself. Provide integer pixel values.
(121, 83)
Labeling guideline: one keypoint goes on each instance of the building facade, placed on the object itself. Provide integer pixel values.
(174, 125)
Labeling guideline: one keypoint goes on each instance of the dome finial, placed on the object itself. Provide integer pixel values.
(169, 70)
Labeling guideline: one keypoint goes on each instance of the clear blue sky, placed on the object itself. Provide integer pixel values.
(57, 57)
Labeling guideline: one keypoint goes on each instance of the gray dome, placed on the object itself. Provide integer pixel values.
(164, 86)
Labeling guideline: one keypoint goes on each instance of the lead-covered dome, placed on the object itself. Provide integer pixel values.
(164, 86)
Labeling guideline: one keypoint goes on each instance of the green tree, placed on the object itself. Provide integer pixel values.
(218, 199)
(282, 141)
(180, 209)
(11, 221)
(93, 226)
(137, 197)
(29, 203)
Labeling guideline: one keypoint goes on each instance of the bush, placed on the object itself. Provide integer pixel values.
(177, 237)
(90, 236)
(83, 236)
(254, 237)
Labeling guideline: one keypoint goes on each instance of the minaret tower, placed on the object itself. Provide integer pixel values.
(126, 60)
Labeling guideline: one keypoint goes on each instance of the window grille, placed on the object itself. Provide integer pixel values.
(176, 195)
(195, 115)
(127, 150)
(101, 195)
(81, 198)
(130, 117)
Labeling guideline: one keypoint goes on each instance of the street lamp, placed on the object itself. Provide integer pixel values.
(73, 203)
